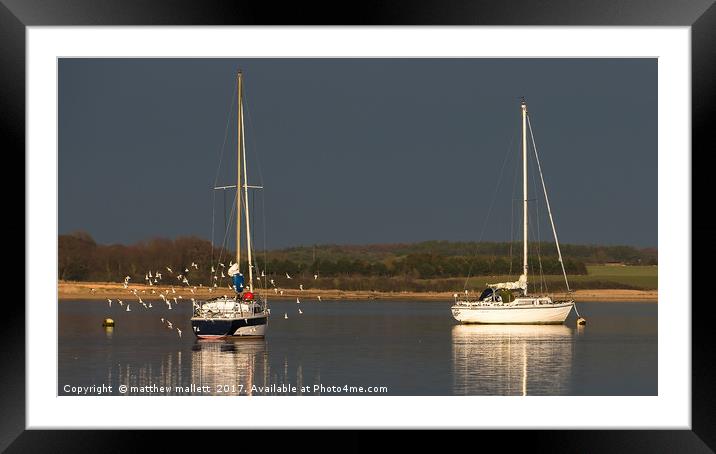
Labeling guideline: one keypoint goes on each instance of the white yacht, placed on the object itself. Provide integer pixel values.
(509, 302)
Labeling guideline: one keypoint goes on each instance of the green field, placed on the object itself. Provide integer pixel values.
(646, 277)
(599, 276)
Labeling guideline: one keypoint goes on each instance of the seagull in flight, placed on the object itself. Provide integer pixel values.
(287, 276)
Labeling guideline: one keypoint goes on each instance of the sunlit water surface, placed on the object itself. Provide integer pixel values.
(335, 347)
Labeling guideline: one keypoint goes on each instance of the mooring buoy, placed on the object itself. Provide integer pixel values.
(108, 322)
(581, 321)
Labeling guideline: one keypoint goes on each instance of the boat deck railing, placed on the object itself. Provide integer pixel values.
(254, 308)
(537, 300)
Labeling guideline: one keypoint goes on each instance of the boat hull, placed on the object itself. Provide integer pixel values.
(547, 314)
(213, 328)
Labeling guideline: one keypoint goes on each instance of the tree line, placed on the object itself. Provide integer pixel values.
(81, 258)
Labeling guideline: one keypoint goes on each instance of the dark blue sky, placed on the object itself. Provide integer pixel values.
(358, 150)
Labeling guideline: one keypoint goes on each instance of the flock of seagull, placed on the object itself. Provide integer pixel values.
(169, 295)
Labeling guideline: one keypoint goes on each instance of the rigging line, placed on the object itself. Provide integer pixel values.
(263, 228)
(253, 140)
(253, 234)
(489, 211)
(226, 234)
(549, 210)
(218, 169)
(512, 216)
(213, 214)
(543, 282)
(226, 135)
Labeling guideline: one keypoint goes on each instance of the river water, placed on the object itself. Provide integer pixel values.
(336, 347)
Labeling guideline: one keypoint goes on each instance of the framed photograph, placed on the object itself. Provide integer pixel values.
(449, 218)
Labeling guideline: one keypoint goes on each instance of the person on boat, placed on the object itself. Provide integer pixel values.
(238, 283)
(237, 278)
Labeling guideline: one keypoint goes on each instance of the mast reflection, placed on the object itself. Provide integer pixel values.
(511, 359)
(232, 367)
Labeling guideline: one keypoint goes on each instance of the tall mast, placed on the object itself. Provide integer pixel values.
(524, 190)
(238, 169)
(246, 209)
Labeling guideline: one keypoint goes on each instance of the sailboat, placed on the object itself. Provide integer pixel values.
(509, 302)
(246, 313)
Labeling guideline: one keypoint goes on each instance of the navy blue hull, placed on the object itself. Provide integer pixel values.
(212, 328)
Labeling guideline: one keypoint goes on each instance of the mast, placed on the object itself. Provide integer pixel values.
(246, 209)
(239, 144)
(524, 191)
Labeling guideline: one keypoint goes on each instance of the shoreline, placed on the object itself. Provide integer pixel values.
(101, 291)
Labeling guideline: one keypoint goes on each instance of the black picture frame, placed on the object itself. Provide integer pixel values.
(16, 15)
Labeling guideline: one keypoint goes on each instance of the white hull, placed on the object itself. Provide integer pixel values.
(250, 331)
(553, 313)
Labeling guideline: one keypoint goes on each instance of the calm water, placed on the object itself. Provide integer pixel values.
(412, 348)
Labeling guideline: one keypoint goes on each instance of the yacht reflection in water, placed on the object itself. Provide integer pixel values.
(511, 359)
(230, 367)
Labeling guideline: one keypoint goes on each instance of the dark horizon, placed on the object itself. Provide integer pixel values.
(358, 151)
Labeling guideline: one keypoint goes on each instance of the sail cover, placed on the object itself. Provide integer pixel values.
(519, 284)
(233, 269)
